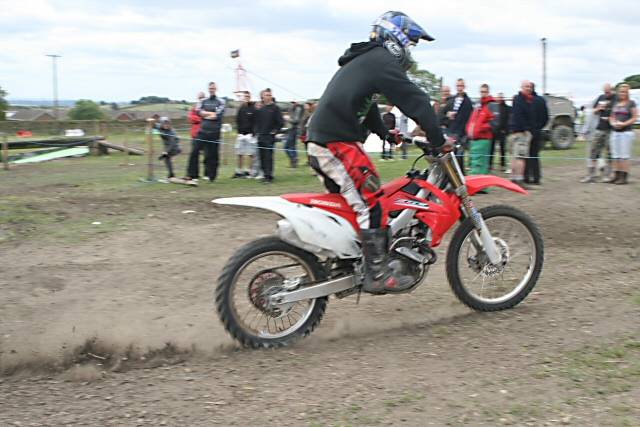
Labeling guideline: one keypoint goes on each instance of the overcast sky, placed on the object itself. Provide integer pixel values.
(122, 50)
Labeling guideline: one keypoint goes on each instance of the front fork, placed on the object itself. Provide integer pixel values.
(483, 241)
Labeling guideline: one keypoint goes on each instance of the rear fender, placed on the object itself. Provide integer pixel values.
(312, 229)
(476, 183)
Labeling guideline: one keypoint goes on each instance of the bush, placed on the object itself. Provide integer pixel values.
(86, 109)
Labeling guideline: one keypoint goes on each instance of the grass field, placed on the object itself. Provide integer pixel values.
(110, 189)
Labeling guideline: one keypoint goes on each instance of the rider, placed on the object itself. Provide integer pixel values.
(344, 114)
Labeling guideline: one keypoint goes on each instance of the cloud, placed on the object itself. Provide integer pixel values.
(123, 50)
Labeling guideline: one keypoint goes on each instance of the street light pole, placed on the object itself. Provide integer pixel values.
(544, 65)
(55, 84)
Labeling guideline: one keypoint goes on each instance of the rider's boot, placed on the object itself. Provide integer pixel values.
(380, 278)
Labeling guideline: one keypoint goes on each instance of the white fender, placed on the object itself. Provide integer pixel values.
(309, 228)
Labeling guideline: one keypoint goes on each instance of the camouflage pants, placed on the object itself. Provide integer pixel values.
(599, 142)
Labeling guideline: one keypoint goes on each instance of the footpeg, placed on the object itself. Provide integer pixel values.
(412, 255)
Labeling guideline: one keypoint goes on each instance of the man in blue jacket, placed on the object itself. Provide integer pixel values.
(211, 111)
(521, 125)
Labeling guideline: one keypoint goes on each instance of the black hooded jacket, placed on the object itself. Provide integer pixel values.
(346, 110)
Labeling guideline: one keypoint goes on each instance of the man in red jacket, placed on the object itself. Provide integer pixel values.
(480, 133)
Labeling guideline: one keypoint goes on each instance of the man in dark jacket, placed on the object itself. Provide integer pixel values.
(346, 113)
(211, 111)
(458, 114)
(268, 121)
(444, 105)
(521, 126)
(540, 117)
(501, 131)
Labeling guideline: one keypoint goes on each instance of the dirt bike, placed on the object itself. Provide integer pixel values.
(275, 289)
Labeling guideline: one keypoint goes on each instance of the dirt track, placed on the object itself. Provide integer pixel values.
(569, 355)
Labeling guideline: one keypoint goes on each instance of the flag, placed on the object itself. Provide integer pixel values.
(235, 53)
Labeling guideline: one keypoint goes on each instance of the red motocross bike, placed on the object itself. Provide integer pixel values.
(275, 289)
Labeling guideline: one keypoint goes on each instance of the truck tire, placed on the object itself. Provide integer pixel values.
(562, 137)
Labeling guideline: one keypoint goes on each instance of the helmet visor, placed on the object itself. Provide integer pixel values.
(417, 33)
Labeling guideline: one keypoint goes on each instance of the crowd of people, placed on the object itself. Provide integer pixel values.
(480, 131)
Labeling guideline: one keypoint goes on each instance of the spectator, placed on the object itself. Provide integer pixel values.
(245, 142)
(521, 124)
(306, 115)
(500, 134)
(304, 123)
(624, 113)
(295, 116)
(171, 144)
(458, 116)
(268, 121)
(480, 133)
(444, 106)
(211, 112)
(389, 120)
(600, 140)
(403, 129)
(540, 118)
(195, 120)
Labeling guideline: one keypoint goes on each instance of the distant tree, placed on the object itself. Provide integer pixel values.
(4, 105)
(633, 81)
(152, 100)
(425, 80)
(114, 106)
(102, 103)
(86, 109)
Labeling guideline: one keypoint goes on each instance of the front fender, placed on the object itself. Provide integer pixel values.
(476, 183)
(309, 228)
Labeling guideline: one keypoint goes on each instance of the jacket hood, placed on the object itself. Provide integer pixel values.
(355, 50)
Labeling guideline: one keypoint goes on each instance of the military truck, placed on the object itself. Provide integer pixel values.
(559, 129)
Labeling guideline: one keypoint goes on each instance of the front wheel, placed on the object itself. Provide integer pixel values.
(487, 287)
(256, 271)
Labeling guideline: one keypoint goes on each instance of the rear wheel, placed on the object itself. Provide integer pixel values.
(256, 271)
(487, 287)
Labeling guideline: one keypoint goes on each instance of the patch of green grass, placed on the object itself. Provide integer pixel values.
(604, 370)
(636, 300)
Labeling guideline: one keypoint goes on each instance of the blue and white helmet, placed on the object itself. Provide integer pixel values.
(398, 33)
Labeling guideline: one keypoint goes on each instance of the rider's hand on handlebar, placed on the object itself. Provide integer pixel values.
(449, 145)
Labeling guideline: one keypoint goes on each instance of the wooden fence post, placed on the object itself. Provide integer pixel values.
(5, 151)
(125, 143)
(149, 137)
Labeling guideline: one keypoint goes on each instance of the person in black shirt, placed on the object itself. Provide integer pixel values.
(268, 121)
(600, 139)
(389, 120)
(346, 113)
(458, 112)
(624, 113)
(245, 142)
(444, 106)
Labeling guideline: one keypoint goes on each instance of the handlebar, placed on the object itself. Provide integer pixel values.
(430, 150)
